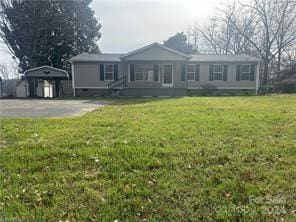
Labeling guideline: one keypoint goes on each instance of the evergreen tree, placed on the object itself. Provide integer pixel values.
(48, 32)
(179, 42)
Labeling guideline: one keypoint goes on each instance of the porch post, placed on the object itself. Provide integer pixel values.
(57, 87)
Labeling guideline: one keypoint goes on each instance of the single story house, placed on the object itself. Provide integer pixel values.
(156, 70)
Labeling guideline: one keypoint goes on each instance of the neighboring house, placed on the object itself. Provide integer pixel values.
(156, 70)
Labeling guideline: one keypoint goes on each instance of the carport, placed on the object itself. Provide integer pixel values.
(51, 75)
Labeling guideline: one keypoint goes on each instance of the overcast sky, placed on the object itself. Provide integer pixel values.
(130, 24)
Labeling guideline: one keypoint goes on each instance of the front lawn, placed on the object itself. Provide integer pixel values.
(173, 159)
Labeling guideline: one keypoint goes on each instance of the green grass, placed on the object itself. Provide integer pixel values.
(179, 159)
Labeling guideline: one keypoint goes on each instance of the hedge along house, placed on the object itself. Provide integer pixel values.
(156, 70)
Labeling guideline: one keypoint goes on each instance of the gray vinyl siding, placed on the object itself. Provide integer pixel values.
(203, 79)
(231, 77)
(155, 54)
(87, 74)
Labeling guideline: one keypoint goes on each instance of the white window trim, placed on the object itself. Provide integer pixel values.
(108, 80)
(217, 72)
(194, 68)
(241, 72)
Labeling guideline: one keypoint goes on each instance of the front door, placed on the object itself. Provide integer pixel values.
(167, 77)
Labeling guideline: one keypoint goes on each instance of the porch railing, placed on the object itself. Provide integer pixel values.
(119, 83)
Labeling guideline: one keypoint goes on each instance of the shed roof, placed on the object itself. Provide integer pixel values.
(46, 72)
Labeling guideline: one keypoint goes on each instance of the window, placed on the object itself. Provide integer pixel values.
(109, 72)
(245, 72)
(144, 72)
(190, 72)
(218, 72)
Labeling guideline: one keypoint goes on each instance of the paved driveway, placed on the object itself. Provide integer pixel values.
(46, 108)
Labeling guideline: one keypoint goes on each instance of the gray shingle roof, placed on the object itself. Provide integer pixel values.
(222, 58)
(106, 57)
(116, 57)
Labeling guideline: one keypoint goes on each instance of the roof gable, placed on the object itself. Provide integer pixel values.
(155, 52)
(46, 71)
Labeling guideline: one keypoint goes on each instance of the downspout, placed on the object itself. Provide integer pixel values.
(73, 78)
(257, 78)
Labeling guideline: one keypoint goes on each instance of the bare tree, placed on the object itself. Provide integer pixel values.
(193, 35)
(8, 74)
(286, 38)
(263, 28)
(211, 37)
(272, 20)
(220, 36)
(289, 59)
(4, 73)
(8, 71)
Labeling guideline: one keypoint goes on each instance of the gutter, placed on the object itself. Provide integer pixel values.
(73, 78)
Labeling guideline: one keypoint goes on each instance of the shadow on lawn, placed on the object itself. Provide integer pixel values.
(121, 101)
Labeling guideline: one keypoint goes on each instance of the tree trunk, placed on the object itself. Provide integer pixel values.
(265, 73)
(279, 58)
(33, 85)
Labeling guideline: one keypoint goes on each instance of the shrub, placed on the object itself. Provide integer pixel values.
(208, 89)
(286, 86)
(264, 89)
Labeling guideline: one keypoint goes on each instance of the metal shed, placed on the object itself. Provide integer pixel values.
(47, 74)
